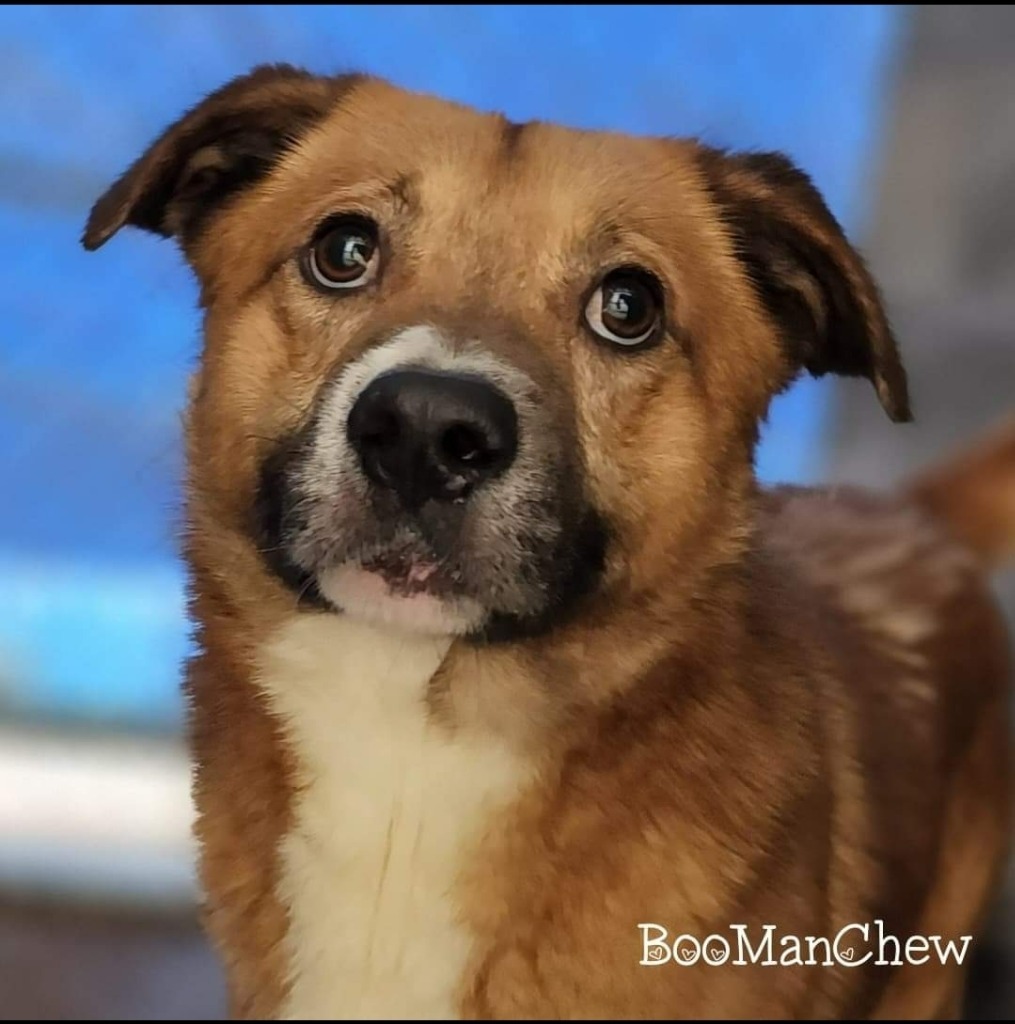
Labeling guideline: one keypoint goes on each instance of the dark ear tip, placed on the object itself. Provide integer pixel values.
(107, 216)
(895, 400)
(893, 389)
(92, 238)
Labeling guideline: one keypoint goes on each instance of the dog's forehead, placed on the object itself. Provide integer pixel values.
(451, 157)
(478, 199)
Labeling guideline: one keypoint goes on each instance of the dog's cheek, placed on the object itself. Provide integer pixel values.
(643, 435)
(604, 411)
(673, 468)
(243, 402)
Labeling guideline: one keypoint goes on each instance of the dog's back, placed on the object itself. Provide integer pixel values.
(921, 658)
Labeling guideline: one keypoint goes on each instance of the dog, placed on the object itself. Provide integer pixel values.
(513, 687)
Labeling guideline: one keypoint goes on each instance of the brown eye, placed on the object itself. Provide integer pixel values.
(344, 255)
(626, 308)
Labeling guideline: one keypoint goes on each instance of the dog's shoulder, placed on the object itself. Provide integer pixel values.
(876, 554)
(897, 581)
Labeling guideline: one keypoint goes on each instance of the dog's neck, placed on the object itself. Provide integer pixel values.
(383, 736)
(405, 748)
(387, 800)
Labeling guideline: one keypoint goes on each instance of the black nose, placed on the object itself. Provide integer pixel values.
(431, 435)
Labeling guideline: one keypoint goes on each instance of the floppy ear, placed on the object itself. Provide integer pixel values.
(812, 281)
(230, 139)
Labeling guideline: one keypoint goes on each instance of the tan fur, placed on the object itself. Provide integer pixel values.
(974, 492)
(776, 708)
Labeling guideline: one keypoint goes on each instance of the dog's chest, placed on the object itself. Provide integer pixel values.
(388, 805)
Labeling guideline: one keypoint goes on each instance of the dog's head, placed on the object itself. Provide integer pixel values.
(463, 374)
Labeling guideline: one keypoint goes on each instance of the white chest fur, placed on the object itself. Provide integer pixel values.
(388, 804)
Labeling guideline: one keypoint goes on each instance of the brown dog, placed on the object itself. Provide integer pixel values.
(516, 696)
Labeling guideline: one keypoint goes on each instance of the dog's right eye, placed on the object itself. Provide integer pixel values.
(344, 254)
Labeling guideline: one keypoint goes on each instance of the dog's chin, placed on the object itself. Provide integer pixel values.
(405, 606)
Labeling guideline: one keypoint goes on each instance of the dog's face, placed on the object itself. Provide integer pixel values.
(463, 375)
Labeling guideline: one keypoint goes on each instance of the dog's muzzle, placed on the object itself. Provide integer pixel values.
(433, 489)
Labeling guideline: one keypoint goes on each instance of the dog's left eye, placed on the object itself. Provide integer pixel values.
(345, 254)
(626, 308)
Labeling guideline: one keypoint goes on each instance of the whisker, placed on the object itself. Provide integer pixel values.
(303, 590)
(270, 551)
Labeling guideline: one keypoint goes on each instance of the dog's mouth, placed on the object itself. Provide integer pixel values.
(402, 585)
(407, 572)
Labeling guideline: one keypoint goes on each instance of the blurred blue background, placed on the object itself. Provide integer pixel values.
(95, 349)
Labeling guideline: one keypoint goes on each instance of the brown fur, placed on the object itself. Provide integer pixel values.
(784, 708)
